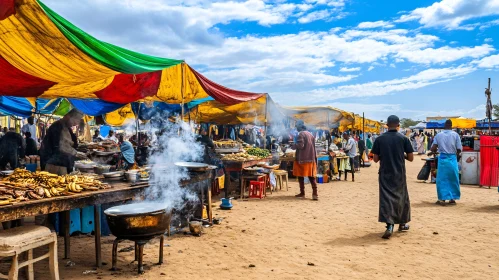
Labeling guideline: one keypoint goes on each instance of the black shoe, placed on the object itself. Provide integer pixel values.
(440, 202)
(403, 227)
(452, 202)
(388, 232)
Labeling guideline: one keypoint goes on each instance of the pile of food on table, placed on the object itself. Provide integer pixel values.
(23, 185)
(247, 155)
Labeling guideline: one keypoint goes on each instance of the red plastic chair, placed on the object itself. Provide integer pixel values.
(256, 189)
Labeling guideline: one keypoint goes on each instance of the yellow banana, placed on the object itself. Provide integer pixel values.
(47, 193)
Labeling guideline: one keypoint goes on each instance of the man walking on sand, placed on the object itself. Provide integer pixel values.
(391, 149)
(448, 144)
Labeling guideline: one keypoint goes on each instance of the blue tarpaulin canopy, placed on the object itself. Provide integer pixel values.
(485, 124)
(17, 106)
(435, 124)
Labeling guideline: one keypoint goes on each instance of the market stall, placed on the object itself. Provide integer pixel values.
(16, 204)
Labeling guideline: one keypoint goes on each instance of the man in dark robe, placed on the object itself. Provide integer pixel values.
(392, 149)
(12, 147)
(31, 149)
(58, 151)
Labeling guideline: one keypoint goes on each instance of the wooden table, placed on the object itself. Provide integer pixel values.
(120, 191)
(238, 166)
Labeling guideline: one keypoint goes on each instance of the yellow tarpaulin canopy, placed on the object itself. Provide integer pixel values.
(250, 112)
(320, 116)
(463, 123)
(121, 116)
(370, 126)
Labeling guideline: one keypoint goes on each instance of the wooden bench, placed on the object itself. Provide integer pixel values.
(15, 241)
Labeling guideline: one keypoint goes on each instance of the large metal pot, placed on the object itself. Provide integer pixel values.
(138, 221)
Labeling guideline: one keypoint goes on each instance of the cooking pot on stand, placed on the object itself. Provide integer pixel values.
(139, 222)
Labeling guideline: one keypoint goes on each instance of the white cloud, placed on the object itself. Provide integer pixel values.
(378, 88)
(314, 16)
(346, 69)
(488, 40)
(489, 61)
(450, 14)
(375, 24)
(444, 54)
(370, 68)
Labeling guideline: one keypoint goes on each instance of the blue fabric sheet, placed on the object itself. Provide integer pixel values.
(15, 106)
(448, 178)
(435, 124)
(47, 106)
(196, 102)
(94, 107)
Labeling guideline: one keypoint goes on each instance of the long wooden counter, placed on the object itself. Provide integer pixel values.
(120, 192)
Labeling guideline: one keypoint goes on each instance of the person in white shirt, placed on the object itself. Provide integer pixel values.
(350, 149)
(31, 128)
(112, 137)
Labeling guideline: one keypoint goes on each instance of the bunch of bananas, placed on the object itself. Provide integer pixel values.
(24, 185)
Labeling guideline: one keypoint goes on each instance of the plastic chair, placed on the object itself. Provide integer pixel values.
(256, 189)
(15, 241)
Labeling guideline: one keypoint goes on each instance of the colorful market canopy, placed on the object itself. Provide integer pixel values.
(43, 55)
(257, 112)
(461, 123)
(320, 116)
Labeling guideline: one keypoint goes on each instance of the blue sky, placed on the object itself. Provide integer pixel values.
(410, 58)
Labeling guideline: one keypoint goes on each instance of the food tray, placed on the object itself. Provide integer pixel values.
(115, 174)
(227, 150)
(102, 153)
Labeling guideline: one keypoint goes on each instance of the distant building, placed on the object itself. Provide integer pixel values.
(439, 118)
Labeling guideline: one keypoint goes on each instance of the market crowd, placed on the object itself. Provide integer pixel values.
(347, 152)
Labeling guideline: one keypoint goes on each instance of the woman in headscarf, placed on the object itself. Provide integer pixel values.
(127, 153)
(305, 164)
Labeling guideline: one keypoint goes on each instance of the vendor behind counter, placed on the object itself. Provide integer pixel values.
(58, 150)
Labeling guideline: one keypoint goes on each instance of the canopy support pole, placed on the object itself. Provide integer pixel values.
(137, 125)
(266, 108)
(182, 90)
(363, 130)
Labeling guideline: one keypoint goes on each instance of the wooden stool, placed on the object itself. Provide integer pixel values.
(279, 174)
(15, 241)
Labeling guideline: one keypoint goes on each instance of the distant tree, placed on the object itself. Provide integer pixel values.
(405, 123)
(495, 111)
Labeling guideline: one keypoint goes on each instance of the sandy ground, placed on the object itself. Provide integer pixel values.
(280, 235)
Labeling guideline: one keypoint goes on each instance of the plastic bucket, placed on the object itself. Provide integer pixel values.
(320, 179)
(31, 167)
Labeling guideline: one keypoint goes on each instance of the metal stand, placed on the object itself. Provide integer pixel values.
(139, 253)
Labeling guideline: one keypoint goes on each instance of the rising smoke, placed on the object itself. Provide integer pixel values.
(174, 142)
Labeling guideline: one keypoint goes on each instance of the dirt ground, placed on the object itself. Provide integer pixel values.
(337, 237)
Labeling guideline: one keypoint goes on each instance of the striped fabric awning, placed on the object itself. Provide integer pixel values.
(44, 55)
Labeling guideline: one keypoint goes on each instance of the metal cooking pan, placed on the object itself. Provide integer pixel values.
(138, 221)
(193, 166)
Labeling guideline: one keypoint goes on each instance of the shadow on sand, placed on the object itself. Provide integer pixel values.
(369, 239)
(426, 204)
(493, 209)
